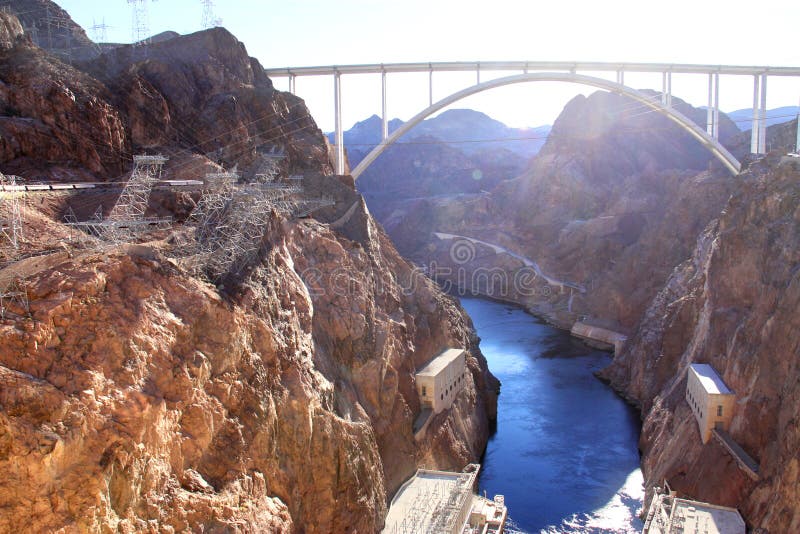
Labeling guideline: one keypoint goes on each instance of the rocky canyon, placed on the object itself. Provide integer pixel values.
(136, 396)
(623, 221)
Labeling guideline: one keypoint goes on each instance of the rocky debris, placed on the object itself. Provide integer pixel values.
(734, 305)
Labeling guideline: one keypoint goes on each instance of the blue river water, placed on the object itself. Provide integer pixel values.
(564, 453)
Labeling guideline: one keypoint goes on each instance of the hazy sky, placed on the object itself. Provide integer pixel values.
(325, 32)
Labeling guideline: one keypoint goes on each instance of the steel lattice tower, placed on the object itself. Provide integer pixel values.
(132, 203)
(209, 20)
(140, 26)
(12, 221)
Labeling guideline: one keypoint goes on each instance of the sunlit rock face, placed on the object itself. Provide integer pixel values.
(734, 305)
(136, 397)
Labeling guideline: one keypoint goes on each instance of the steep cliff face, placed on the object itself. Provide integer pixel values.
(734, 305)
(611, 204)
(193, 94)
(136, 397)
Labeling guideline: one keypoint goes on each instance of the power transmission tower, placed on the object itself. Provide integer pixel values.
(132, 203)
(140, 25)
(33, 32)
(100, 31)
(127, 218)
(13, 298)
(11, 226)
(231, 219)
(209, 19)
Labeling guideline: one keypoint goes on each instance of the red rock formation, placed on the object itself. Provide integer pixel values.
(134, 397)
(734, 305)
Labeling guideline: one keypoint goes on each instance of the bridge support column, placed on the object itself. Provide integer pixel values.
(797, 147)
(292, 84)
(756, 123)
(430, 86)
(709, 109)
(715, 132)
(621, 77)
(384, 118)
(337, 110)
(666, 89)
(712, 112)
(762, 117)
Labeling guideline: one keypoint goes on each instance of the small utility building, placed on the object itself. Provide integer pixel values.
(442, 378)
(710, 399)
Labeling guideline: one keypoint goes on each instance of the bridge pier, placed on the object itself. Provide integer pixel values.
(716, 106)
(762, 115)
(712, 111)
(666, 88)
(292, 81)
(758, 134)
(430, 85)
(384, 118)
(797, 148)
(337, 110)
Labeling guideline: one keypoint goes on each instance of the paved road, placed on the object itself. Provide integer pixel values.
(527, 261)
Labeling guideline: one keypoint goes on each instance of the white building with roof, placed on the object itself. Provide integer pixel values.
(440, 380)
(709, 398)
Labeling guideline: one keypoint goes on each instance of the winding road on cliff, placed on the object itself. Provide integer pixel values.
(526, 261)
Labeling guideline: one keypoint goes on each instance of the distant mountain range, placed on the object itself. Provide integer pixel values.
(744, 117)
(469, 131)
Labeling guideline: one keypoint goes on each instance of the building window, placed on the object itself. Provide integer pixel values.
(719, 411)
(441, 397)
(424, 391)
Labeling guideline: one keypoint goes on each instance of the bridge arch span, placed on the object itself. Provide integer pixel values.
(711, 144)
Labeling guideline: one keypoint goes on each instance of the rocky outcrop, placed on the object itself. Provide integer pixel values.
(734, 305)
(199, 93)
(136, 397)
(51, 28)
(10, 31)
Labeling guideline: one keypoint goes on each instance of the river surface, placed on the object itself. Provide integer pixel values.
(565, 450)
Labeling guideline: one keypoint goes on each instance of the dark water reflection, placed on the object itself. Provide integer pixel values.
(564, 453)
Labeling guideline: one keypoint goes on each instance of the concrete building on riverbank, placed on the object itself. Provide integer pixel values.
(710, 399)
(440, 380)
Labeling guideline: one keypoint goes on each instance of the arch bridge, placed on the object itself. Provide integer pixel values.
(527, 71)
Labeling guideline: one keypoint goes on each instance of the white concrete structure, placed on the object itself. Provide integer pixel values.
(602, 337)
(709, 398)
(487, 517)
(443, 502)
(441, 379)
(670, 515)
(558, 71)
(432, 501)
